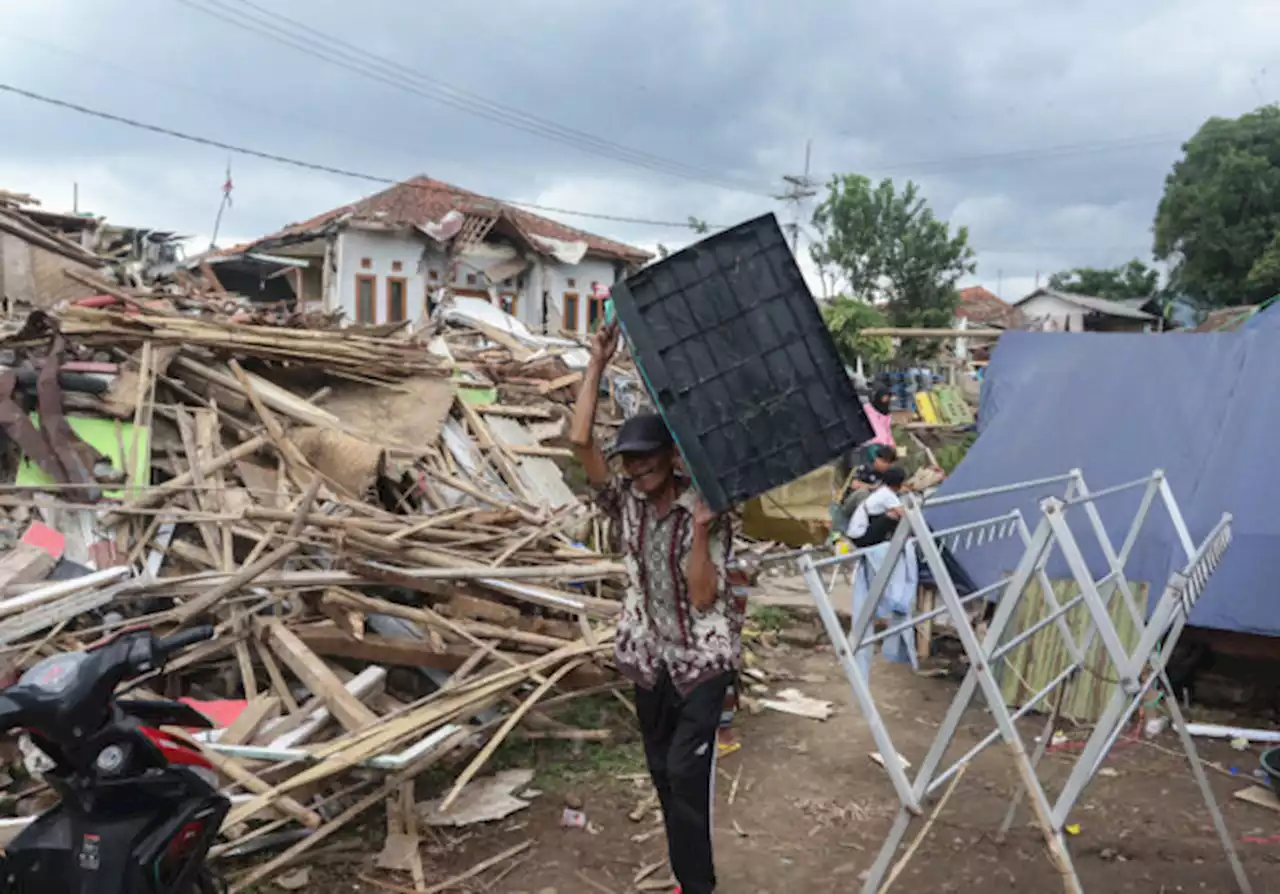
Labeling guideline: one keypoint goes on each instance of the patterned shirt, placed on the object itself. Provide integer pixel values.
(659, 628)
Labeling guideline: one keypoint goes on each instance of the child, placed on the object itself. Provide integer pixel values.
(862, 482)
(874, 520)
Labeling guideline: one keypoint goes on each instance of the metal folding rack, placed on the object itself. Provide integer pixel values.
(1138, 670)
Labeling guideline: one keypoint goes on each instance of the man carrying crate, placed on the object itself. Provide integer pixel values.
(679, 634)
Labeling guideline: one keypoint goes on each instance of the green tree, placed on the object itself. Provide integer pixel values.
(1220, 215)
(846, 318)
(889, 250)
(1132, 280)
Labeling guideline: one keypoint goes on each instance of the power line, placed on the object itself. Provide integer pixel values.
(322, 168)
(803, 188)
(281, 29)
(959, 162)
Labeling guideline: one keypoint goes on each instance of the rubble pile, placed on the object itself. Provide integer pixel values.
(377, 524)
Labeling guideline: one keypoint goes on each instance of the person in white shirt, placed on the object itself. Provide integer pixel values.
(875, 519)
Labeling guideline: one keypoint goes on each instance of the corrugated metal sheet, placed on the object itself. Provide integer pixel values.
(1030, 666)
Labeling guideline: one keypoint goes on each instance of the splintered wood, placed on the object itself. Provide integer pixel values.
(383, 540)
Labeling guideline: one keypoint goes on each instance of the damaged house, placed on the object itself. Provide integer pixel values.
(47, 257)
(390, 257)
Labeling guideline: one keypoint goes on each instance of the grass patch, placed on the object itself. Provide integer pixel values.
(769, 617)
(560, 764)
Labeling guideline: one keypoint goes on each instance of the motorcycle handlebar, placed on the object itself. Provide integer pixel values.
(167, 645)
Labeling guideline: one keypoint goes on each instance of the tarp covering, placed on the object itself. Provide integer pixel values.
(1199, 406)
(1266, 318)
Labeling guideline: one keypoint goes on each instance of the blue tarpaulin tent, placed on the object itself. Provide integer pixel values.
(1202, 407)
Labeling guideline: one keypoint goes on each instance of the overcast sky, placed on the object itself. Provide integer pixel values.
(1047, 129)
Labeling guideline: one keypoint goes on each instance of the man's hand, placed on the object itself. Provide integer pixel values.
(703, 517)
(604, 344)
(703, 587)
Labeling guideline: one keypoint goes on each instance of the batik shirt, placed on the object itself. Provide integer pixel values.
(659, 629)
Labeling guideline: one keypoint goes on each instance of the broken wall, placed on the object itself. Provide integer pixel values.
(35, 276)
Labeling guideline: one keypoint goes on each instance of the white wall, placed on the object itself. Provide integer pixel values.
(383, 250)
(1066, 317)
(418, 260)
(556, 282)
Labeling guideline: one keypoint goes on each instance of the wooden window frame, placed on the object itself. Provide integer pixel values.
(366, 263)
(509, 297)
(570, 325)
(373, 296)
(404, 298)
(597, 304)
(396, 266)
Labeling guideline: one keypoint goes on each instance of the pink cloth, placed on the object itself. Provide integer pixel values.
(881, 424)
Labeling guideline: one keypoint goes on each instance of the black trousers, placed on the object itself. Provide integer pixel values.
(680, 747)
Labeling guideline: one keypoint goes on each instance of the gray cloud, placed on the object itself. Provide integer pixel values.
(968, 97)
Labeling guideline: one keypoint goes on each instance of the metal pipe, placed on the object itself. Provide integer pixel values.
(847, 557)
(1110, 742)
(937, 535)
(391, 762)
(995, 734)
(772, 558)
(1033, 630)
(949, 532)
(929, 615)
(1108, 491)
(994, 491)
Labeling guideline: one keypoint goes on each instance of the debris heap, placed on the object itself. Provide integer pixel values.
(378, 525)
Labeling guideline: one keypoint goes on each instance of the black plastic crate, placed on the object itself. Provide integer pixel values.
(734, 352)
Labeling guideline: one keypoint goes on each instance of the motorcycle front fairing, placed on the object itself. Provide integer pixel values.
(150, 837)
(136, 814)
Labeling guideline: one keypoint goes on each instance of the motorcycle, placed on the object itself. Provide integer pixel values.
(139, 807)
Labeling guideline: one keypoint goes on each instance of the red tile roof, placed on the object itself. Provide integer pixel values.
(1226, 319)
(422, 200)
(984, 308)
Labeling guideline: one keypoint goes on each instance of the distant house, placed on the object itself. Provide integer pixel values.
(979, 308)
(389, 257)
(1054, 311)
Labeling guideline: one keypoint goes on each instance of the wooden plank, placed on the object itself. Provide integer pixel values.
(25, 564)
(256, 713)
(1032, 664)
(296, 464)
(515, 412)
(539, 450)
(153, 496)
(285, 805)
(323, 682)
(464, 606)
(1259, 797)
(565, 381)
(898, 332)
(413, 653)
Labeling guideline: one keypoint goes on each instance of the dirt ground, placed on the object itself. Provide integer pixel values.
(810, 810)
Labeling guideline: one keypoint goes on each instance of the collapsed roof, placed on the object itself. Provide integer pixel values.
(441, 211)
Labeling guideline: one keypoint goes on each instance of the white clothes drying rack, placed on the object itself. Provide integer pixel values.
(1138, 670)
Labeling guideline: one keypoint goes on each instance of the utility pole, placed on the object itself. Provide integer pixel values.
(222, 207)
(803, 188)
